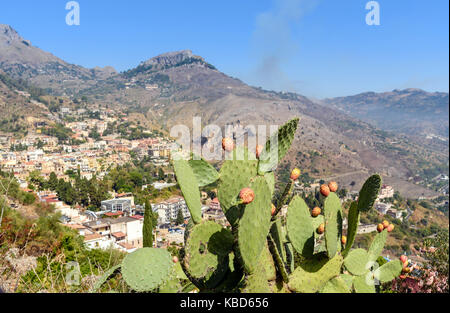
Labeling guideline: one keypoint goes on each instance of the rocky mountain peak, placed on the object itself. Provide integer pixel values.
(9, 35)
(171, 58)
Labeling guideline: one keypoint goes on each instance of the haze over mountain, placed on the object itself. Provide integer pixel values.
(174, 87)
(411, 111)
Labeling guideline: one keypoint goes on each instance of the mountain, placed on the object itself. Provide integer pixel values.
(21, 60)
(18, 108)
(172, 88)
(410, 111)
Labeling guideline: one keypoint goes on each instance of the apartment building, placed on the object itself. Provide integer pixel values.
(168, 210)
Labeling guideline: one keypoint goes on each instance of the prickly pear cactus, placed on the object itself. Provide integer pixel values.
(146, 269)
(254, 225)
(312, 274)
(353, 222)
(333, 224)
(234, 175)
(299, 227)
(369, 193)
(263, 251)
(189, 187)
(206, 254)
(283, 137)
(204, 172)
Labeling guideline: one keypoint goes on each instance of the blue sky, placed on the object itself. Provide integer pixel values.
(319, 48)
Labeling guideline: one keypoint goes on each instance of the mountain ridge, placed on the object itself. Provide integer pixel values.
(173, 87)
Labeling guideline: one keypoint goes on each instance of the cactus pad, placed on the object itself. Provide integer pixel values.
(333, 224)
(278, 259)
(277, 236)
(105, 277)
(357, 262)
(377, 245)
(189, 187)
(336, 285)
(234, 175)
(348, 279)
(270, 178)
(204, 172)
(361, 285)
(299, 227)
(206, 253)
(314, 273)
(369, 193)
(352, 229)
(388, 271)
(285, 135)
(256, 282)
(146, 269)
(266, 261)
(289, 257)
(254, 225)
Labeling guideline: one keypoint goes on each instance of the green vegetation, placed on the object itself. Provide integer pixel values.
(263, 252)
(148, 226)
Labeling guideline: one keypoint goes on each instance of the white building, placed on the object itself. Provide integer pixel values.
(168, 210)
(386, 192)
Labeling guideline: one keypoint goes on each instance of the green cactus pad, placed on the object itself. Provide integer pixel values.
(348, 279)
(352, 229)
(314, 273)
(233, 277)
(174, 283)
(105, 277)
(333, 224)
(335, 285)
(376, 248)
(357, 261)
(361, 286)
(270, 178)
(234, 175)
(266, 261)
(146, 269)
(178, 271)
(189, 187)
(388, 271)
(206, 253)
(369, 193)
(299, 227)
(269, 159)
(256, 282)
(254, 225)
(316, 221)
(204, 172)
(289, 257)
(171, 286)
(281, 267)
(277, 236)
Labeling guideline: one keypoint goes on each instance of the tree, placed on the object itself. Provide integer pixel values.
(147, 230)
(52, 181)
(161, 174)
(180, 217)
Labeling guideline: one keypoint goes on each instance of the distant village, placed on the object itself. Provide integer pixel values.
(118, 223)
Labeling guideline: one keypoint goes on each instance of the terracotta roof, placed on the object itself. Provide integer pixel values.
(92, 237)
(118, 234)
(114, 213)
(138, 217)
